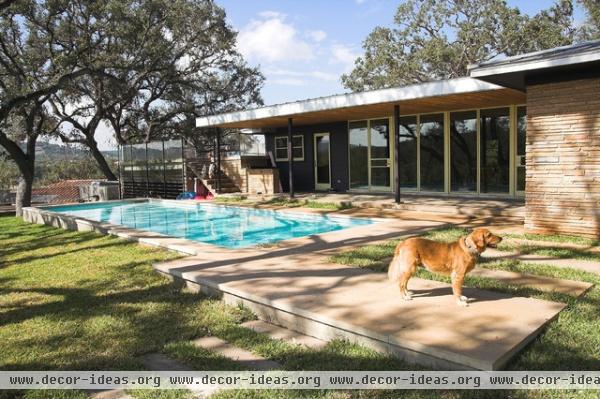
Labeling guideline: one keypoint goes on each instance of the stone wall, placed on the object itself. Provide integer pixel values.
(263, 181)
(232, 167)
(563, 158)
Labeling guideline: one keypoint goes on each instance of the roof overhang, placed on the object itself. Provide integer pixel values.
(514, 72)
(460, 93)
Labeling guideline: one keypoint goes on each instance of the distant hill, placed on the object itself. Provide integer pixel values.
(45, 151)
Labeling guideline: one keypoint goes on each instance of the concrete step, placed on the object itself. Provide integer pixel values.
(109, 394)
(242, 356)
(327, 301)
(579, 264)
(160, 362)
(284, 334)
(546, 284)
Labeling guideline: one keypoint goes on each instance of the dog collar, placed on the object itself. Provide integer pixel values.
(471, 247)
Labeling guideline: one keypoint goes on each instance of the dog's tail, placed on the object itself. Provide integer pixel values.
(395, 268)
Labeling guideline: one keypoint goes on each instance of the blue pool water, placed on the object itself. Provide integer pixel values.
(225, 226)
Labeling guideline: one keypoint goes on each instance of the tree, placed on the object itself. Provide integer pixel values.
(26, 125)
(40, 52)
(591, 27)
(190, 67)
(439, 39)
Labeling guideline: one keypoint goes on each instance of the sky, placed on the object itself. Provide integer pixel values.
(303, 47)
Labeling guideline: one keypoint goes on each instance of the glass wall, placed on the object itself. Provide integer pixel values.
(431, 132)
(477, 152)
(359, 156)
(463, 151)
(521, 142)
(380, 153)
(408, 152)
(494, 151)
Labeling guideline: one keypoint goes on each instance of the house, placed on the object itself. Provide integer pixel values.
(521, 127)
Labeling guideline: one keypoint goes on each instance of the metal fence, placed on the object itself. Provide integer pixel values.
(154, 169)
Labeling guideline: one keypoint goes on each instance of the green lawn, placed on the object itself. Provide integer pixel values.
(83, 301)
(284, 202)
(72, 301)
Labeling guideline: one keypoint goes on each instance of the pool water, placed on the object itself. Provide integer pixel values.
(225, 226)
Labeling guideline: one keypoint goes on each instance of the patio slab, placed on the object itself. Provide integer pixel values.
(325, 300)
(449, 205)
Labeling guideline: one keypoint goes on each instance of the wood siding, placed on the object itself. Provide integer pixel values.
(563, 158)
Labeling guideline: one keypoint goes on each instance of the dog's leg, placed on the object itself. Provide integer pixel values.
(407, 269)
(457, 282)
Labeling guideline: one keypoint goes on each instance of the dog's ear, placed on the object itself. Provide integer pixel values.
(478, 238)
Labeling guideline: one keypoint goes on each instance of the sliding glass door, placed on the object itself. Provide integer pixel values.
(477, 151)
(432, 152)
(463, 151)
(494, 152)
(370, 155)
(358, 137)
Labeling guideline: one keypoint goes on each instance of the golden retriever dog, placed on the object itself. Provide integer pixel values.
(455, 259)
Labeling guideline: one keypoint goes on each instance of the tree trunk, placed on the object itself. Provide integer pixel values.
(104, 167)
(23, 198)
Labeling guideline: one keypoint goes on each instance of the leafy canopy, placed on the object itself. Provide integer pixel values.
(439, 39)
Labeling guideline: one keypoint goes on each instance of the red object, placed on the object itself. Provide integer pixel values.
(206, 197)
(203, 194)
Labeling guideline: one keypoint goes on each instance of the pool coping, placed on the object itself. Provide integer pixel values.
(45, 215)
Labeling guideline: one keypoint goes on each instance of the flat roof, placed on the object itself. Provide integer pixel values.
(512, 71)
(450, 94)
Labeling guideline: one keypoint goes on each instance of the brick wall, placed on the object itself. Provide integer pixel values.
(233, 169)
(563, 158)
(264, 181)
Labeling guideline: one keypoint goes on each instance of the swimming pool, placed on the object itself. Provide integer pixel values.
(225, 226)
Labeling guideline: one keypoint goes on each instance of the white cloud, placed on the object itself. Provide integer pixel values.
(271, 38)
(288, 73)
(317, 35)
(289, 81)
(341, 54)
(360, 1)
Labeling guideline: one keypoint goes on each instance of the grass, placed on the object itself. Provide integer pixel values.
(81, 301)
(284, 202)
(73, 301)
(558, 238)
(294, 203)
(450, 234)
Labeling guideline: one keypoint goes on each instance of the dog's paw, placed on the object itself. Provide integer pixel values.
(464, 298)
(407, 296)
(461, 302)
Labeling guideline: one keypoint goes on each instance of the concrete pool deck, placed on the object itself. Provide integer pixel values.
(292, 283)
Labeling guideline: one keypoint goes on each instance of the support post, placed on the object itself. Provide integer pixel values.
(131, 166)
(147, 175)
(218, 155)
(397, 151)
(183, 166)
(120, 171)
(164, 171)
(290, 158)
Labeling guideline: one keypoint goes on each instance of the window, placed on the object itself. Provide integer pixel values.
(359, 154)
(494, 152)
(521, 143)
(297, 148)
(463, 151)
(432, 152)
(408, 152)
